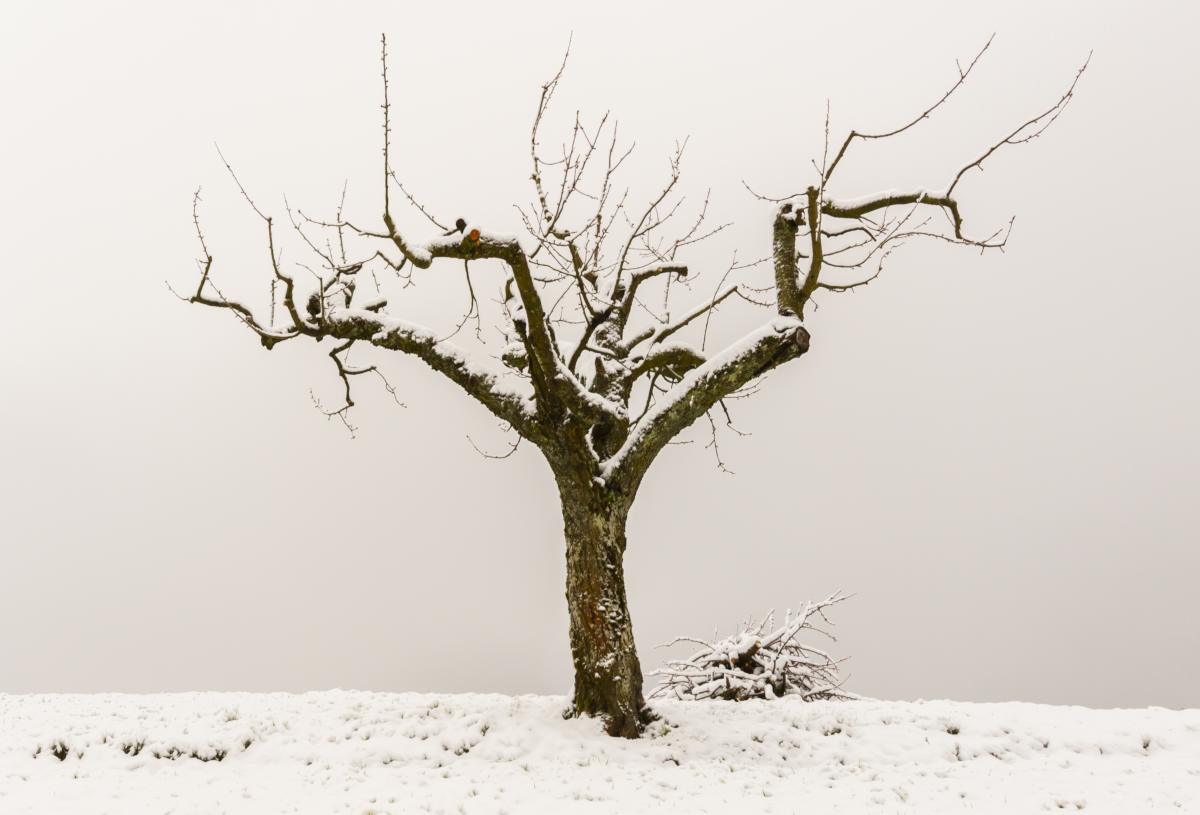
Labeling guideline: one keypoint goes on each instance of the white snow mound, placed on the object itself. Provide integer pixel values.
(356, 752)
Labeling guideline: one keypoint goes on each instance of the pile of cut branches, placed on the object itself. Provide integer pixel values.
(755, 664)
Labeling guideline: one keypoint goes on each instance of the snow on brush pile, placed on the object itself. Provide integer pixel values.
(381, 753)
(757, 663)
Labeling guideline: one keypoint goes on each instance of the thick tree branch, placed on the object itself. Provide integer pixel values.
(676, 358)
(769, 346)
(487, 387)
(858, 209)
(787, 288)
(557, 382)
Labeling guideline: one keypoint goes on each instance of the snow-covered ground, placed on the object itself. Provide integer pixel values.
(355, 752)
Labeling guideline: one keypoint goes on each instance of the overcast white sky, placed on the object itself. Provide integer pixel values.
(997, 455)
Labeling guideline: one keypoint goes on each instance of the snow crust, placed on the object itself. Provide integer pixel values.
(356, 752)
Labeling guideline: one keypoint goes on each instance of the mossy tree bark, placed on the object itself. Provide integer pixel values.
(608, 676)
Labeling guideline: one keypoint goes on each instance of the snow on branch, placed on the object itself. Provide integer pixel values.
(591, 312)
(760, 662)
(701, 388)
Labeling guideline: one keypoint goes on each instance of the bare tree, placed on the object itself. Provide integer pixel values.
(594, 372)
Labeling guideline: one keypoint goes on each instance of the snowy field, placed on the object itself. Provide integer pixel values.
(359, 753)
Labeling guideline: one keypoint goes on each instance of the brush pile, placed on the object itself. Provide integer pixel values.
(760, 662)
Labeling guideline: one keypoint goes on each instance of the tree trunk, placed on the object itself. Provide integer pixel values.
(608, 677)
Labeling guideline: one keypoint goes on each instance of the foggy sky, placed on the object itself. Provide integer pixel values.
(996, 454)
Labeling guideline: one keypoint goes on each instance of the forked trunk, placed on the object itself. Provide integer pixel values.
(608, 677)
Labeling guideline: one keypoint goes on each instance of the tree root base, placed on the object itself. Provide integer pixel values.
(621, 726)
